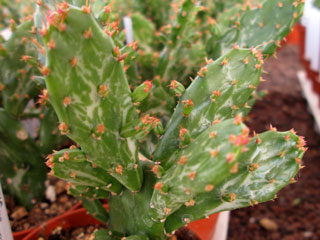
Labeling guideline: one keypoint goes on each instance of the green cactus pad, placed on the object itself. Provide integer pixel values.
(257, 28)
(269, 164)
(221, 93)
(88, 192)
(206, 162)
(73, 165)
(83, 67)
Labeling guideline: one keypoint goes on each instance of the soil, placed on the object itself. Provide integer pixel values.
(185, 234)
(85, 233)
(295, 214)
(20, 219)
(80, 233)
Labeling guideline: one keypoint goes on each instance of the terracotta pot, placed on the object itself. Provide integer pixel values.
(22, 234)
(204, 228)
(78, 218)
(294, 36)
(302, 38)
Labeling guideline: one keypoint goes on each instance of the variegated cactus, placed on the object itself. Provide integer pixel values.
(22, 157)
(205, 160)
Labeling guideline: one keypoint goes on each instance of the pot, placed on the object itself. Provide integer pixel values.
(79, 217)
(20, 235)
(204, 228)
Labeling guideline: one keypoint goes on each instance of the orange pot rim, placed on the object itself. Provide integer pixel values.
(203, 228)
(19, 235)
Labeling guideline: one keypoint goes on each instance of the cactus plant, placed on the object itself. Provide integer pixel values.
(23, 170)
(205, 160)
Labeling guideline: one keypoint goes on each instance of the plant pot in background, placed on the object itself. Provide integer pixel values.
(204, 228)
(75, 218)
(79, 218)
(294, 36)
(22, 234)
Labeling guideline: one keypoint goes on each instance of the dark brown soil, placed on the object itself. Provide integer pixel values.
(296, 213)
(20, 219)
(185, 234)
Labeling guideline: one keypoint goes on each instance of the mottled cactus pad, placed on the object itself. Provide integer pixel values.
(89, 91)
